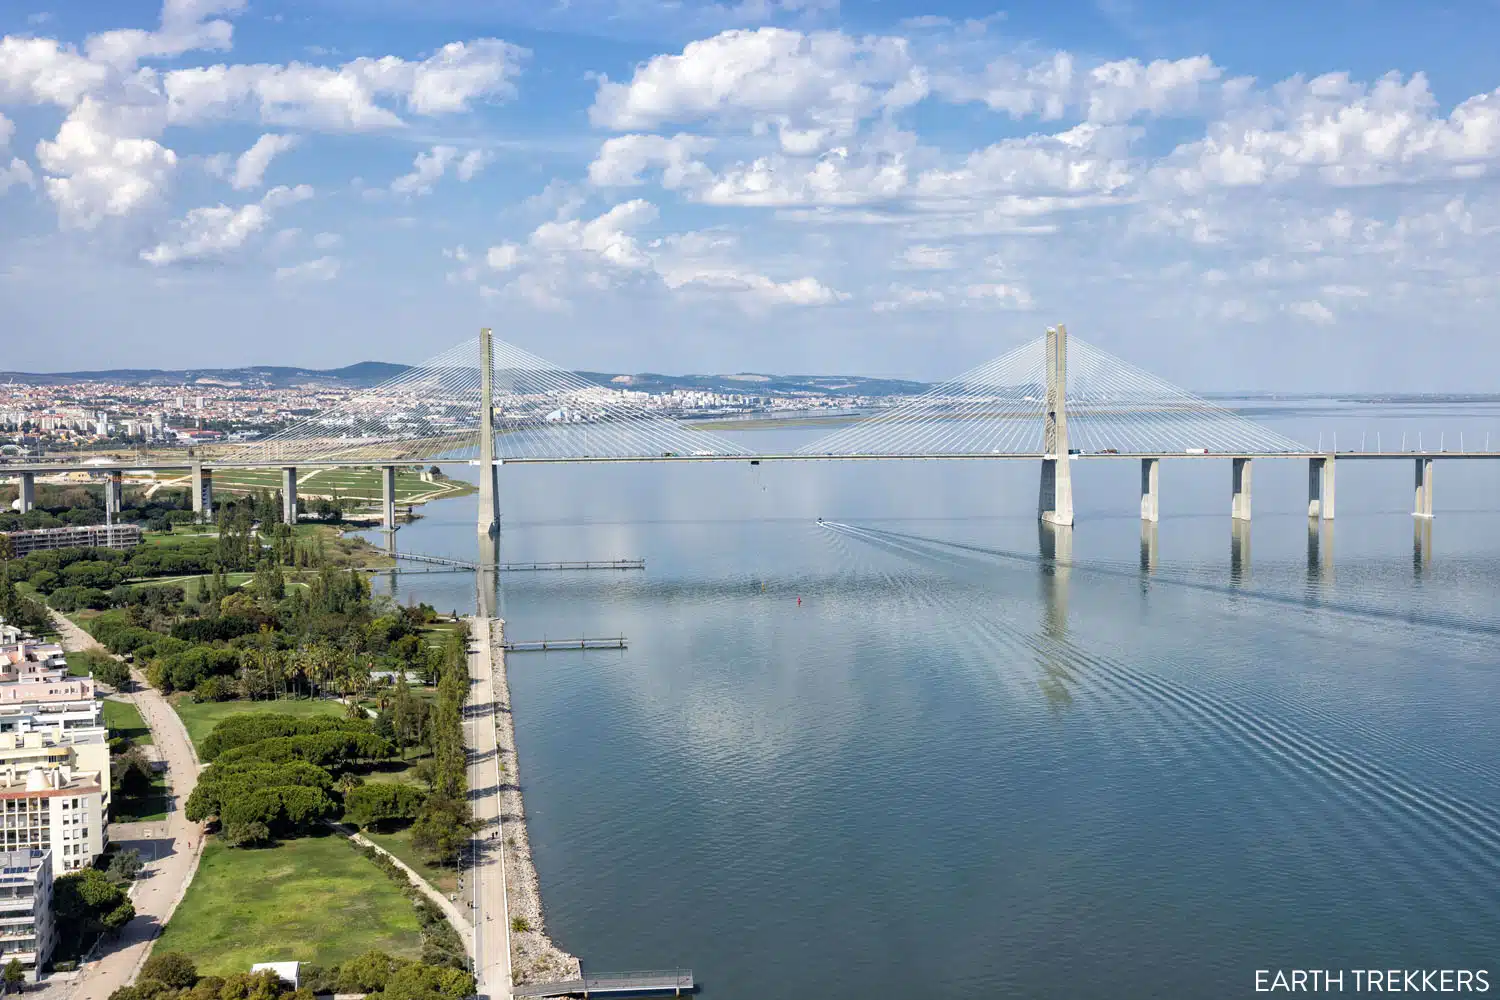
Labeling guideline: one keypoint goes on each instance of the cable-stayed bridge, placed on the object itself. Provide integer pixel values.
(1052, 400)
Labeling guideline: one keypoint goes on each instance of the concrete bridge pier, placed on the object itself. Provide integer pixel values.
(28, 491)
(1055, 504)
(114, 491)
(1239, 507)
(1319, 551)
(203, 491)
(1424, 488)
(1148, 545)
(289, 494)
(1421, 545)
(1055, 544)
(487, 577)
(1320, 487)
(1239, 550)
(1150, 489)
(489, 486)
(388, 495)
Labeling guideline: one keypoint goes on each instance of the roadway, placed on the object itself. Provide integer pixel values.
(171, 848)
(484, 865)
(48, 468)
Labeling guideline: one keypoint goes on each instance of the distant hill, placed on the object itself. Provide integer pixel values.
(369, 373)
(365, 373)
(754, 384)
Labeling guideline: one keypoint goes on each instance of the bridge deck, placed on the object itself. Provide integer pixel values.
(676, 981)
(366, 463)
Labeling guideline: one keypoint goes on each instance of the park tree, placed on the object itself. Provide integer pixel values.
(416, 981)
(124, 866)
(107, 670)
(409, 715)
(269, 586)
(171, 968)
(367, 973)
(383, 804)
(444, 825)
(14, 975)
(86, 903)
(130, 773)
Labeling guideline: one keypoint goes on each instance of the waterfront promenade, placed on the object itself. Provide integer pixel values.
(485, 864)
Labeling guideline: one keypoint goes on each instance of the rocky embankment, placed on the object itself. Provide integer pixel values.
(533, 956)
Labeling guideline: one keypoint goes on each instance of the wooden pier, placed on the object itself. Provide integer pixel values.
(544, 645)
(674, 981)
(577, 564)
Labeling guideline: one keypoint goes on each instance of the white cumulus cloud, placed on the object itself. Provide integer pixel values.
(430, 166)
(250, 168)
(771, 77)
(94, 173)
(623, 159)
(356, 95)
(755, 287)
(1313, 311)
(321, 269)
(215, 231)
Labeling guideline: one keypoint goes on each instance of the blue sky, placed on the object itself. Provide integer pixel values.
(1272, 195)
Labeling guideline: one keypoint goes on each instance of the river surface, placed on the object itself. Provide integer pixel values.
(930, 749)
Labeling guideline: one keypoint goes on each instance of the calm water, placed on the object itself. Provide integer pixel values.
(962, 767)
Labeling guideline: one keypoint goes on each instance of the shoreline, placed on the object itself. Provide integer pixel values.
(534, 958)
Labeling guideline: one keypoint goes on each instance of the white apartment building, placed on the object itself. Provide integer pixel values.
(35, 690)
(26, 659)
(57, 809)
(27, 932)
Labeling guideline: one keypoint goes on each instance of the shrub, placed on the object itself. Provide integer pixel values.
(108, 670)
(44, 581)
(220, 629)
(183, 671)
(242, 730)
(73, 598)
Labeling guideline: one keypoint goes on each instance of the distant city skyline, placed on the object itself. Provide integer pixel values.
(1284, 197)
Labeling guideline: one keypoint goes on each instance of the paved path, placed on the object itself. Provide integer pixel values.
(491, 910)
(170, 847)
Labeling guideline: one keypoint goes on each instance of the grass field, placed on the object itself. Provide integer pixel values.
(444, 880)
(314, 899)
(78, 664)
(148, 808)
(352, 483)
(201, 717)
(122, 718)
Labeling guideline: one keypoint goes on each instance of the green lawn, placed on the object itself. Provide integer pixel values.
(201, 717)
(122, 718)
(351, 483)
(444, 880)
(148, 808)
(78, 664)
(314, 899)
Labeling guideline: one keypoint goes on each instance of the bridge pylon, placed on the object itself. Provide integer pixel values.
(1055, 505)
(489, 492)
